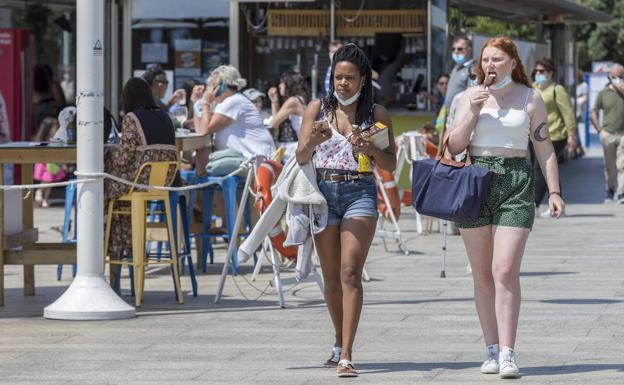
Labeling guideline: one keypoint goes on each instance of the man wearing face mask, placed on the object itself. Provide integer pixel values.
(462, 57)
(561, 121)
(472, 81)
(611, 101)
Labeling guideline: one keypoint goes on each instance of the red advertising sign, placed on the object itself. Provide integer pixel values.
(16, 58)
(7, 86)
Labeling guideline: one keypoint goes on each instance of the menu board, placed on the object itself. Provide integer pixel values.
(187, 57)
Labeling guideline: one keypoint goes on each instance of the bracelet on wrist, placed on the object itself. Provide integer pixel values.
(554, 193)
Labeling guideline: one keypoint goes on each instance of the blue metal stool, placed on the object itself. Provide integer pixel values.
(70, 198)
(188, 177)
(178, 200)
(230, 187)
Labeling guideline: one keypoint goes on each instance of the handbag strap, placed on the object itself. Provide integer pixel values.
(450, 161)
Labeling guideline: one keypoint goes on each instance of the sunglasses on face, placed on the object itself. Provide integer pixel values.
(472, 76)
(540, 71)
(457, 49)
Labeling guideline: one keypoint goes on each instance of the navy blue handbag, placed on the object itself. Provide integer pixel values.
(446, 189)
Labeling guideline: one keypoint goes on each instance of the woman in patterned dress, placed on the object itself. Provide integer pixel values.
(147, 135)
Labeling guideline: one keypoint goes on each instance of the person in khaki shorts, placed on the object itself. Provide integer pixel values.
(611, 101)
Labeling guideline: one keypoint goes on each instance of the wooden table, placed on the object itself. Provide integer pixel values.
(193, 141)
(26, 154)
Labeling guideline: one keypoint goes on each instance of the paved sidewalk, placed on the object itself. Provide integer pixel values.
(416, 328)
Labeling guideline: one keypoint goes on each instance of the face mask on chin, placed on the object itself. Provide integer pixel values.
(349, 101)
(352, 99)
(503, 83)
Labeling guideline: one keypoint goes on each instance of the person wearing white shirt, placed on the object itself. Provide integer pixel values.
(230, 116)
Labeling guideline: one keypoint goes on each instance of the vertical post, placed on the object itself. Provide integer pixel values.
(234, 34)
(126, 32)
(314, 76)
(114, 59)
(429, 48)
(66, 47)
(89, 297)
(332, 20)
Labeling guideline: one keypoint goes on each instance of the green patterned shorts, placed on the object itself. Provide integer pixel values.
(510, 198)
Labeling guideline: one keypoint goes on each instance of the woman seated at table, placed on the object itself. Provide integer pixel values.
(147, 135)
(229, 115)
(287, 116)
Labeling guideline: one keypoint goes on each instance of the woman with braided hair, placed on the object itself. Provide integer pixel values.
(343, 164)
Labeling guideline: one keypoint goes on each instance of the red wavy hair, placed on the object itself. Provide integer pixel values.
(506, 45)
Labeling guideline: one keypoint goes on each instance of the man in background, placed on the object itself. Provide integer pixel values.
(461, 52)
(611, 101)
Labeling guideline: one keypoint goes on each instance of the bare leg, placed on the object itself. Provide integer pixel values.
(356, 235)
(478, 242)
(46, 194)
(328, 244)
(509, 243)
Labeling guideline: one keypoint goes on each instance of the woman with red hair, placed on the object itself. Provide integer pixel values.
(495, 120)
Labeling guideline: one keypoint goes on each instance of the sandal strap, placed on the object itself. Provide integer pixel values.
(346, 364)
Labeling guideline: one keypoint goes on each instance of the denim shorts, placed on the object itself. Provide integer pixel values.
(349, 199)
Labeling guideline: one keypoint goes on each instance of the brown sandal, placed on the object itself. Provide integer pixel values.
(346, 369)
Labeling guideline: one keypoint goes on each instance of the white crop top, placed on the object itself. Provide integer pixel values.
(506, 128)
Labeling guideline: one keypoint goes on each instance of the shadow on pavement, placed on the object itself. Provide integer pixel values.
(581, 301)
(568, 369)
(545, 273)
(387, 367)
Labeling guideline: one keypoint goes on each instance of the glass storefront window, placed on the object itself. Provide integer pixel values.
(188, 41)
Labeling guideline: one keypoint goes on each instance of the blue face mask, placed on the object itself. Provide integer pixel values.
(541, 79)
(472, 82)
(458, 58)
(503, 83)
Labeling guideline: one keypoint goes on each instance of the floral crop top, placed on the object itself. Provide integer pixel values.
(337, 153)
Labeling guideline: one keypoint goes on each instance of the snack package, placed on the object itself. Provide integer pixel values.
(378, 135)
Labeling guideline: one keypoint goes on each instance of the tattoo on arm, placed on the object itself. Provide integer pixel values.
(538, 133)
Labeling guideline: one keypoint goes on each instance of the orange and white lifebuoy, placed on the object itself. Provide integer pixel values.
(392, 192)
(266, 175)
(431, 149)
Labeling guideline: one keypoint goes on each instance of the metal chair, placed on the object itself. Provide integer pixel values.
(135, 204)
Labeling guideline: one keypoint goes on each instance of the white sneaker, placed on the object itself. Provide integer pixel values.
(490, 366)
(38, 196)
(507, 362)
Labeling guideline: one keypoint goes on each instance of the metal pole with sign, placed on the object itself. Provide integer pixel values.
(90, 297)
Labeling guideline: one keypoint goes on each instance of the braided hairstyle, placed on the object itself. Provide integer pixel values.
(353, 54)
